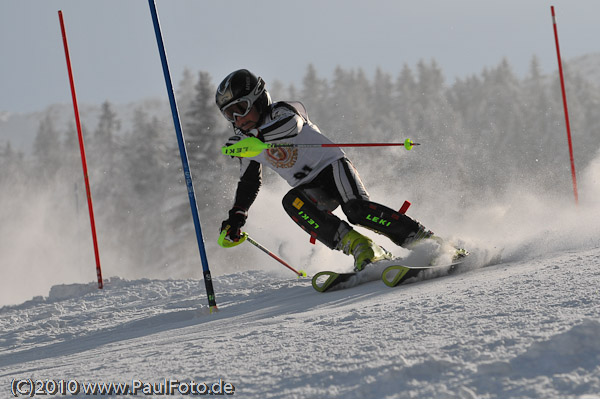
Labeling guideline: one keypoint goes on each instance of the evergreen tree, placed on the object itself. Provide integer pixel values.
(143, 193)
(277, 90)
(186, 92)
(12, 166)
(537, 130)
(339, 106)
(72, 167)
(406, 96)
(292, 92)
(382, 107)
(465, 99)
(47, 149)
(361, 96)
(434, 116)
(583, 101)
(314, 96)
(144, 157)
(104, 139)
(202, 130)
(499, 124)
(205, 134)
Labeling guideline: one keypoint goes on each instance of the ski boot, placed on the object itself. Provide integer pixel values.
(457, 253)
(443, 251)
(419, 236)
(363, 249)
(460, 254)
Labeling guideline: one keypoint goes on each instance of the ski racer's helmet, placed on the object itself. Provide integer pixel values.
(239, 91)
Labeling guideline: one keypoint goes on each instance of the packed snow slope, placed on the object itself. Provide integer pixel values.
(527, 327)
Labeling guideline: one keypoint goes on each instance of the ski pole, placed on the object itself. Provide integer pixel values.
(300, 273)
(252, 146)
(228, 244)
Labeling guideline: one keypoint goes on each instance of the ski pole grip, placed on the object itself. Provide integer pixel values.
(225, 243)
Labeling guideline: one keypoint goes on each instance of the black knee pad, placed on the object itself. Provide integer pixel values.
(320, 224)
(396, 226)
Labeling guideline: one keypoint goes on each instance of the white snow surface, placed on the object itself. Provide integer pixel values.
(528, 327)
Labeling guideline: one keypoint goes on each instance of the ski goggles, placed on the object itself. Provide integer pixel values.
(242, 106)
(237, 109)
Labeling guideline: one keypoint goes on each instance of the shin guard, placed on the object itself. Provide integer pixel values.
(399, 228)
(320, 224)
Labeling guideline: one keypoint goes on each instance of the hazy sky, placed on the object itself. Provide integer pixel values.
(115, 57)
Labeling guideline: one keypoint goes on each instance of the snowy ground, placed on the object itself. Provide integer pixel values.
(527, 326)
(524, 328)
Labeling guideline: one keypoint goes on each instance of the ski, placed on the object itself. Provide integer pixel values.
(392, 272)
(326, 280)
(395, 275)
(331, 281)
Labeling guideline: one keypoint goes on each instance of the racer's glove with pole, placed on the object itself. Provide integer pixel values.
(233, 225)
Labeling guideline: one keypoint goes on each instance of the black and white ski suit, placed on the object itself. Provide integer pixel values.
(322, 179)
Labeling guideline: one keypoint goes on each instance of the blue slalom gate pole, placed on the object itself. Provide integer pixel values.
(184, 159)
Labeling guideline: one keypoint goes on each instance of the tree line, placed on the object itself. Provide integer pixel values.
(480, 134)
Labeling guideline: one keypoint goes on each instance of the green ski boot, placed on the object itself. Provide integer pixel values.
(363, 249)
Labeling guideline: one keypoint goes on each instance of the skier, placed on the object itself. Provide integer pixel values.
(322, 179)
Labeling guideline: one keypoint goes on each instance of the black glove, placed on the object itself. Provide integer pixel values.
(233, 225)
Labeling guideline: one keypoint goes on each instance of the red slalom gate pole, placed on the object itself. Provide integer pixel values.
(82, 151)
(564, 97)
